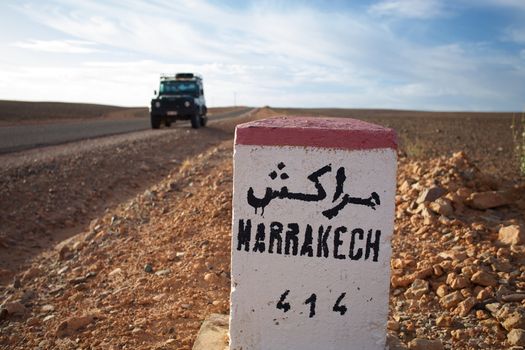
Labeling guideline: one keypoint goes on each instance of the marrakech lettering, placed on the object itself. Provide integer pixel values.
(285, 240)
(322, 241)
(345, 199)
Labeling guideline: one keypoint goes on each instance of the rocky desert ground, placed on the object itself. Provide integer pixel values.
(124, 242)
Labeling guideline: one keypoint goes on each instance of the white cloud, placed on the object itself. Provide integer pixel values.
(57, 46)
(408, 8)
(267, 55)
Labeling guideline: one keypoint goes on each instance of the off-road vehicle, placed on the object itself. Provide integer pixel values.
(180, 97)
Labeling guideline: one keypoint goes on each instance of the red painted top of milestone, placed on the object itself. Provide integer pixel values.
(343, 133)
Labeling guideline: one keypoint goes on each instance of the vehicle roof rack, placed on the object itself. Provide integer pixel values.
(180, 76)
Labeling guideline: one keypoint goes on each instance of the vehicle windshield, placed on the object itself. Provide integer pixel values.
(178, 88)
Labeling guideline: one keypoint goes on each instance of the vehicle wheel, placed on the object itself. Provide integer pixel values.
(204, 120)
(167, 122)
(155, 121)
(195, 121)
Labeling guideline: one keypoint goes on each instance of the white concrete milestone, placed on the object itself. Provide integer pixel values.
(312, 221)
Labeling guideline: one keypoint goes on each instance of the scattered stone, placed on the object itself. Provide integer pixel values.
(457, 281)
(417, 289)
(48, 308)
(163, 272)
(210, 277)
(516, 337)
(430, 194)
(65, 253)
(148, 268)
(393, 325)
(442, 206)
(426, 344)
(62, 270)
(136, 330)
(516, 297)
(116, 271)
(444, 321)
(74, 324)
(451, 300)
(512, 235)
(487, 200)
(465, 306)
(48, 317)
(484, 279)
(402, 281)
(514, 320)
(393, 343)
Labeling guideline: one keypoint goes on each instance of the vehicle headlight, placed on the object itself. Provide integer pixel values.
(187, 103)
(157, 104)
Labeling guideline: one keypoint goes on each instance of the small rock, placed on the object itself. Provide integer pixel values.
(393, 325)
(163, 272)
(48, 317)
(451, 300)
(62, 270)
(78, 245)
(514, 320)
(465, 306)
(44, 344)
(402, 281)
(118, 270)
(516, 337)
(493, 308)
(487, 200)
(65, 253)
(393, 343)
(484, 279)
(513, 235)
(74, 324)
(148, 268)
(159, 297)
(444, 321)
(431, 194)
(426, 344)
(513, 298)
(457, 281)
(210, 277)
(417, 289)
(48, 308)
(442, 206)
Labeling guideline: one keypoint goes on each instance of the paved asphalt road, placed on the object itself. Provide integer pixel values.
(17, 138)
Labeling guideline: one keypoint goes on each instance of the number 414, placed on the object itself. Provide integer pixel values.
(282, 304)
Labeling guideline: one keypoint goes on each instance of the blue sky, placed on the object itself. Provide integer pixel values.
(402, 54)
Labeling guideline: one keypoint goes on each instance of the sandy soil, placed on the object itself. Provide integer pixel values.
(117, 245)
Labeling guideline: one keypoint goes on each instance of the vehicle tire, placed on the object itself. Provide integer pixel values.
(155, 121)
(167, 122)
(203, 120)
(195, 121)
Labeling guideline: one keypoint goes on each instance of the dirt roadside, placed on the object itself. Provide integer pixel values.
(47, 195)
(151, 267)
